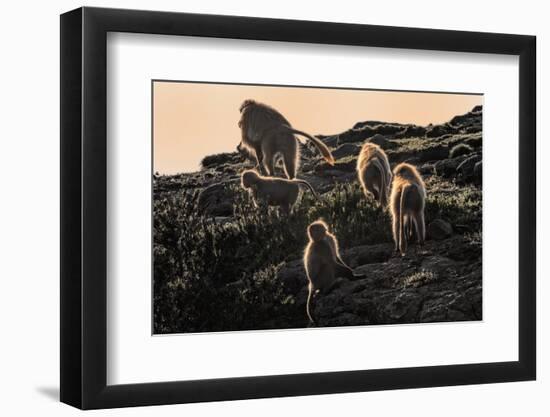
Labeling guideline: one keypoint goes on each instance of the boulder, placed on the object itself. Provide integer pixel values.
(438, 130)
(221, 158)
(465, 170)
(347, 149)
(217, 200)
(411, 131)
(331, 141)
(379, 140)
(478, 172)
(460, 149)
(439, 229)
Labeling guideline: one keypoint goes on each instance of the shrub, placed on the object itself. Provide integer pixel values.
(460, 149)
(220, 275)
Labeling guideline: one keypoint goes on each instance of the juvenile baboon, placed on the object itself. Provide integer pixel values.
(322, 262)
(266, 132)
(374, 172)
(408, 196)
(271, 191)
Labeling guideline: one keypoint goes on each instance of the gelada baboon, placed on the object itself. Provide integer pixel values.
(374, 172)
(322, 262)
(408, 196)
(266, 132)
(271, 191)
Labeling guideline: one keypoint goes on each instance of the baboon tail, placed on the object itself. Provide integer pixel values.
(308, 306)
(402, 230)
(308, 185)
(383, 192)
(325, 151)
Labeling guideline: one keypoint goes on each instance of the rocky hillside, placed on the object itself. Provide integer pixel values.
(220, 265)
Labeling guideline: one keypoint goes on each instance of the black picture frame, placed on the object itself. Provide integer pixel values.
(84, 207)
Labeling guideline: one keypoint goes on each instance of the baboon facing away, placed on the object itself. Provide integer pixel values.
(266, 132)
(408, 196)
(322, 262)
(374, 172)
(271, 191)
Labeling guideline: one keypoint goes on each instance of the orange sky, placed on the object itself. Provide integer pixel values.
(192, 120)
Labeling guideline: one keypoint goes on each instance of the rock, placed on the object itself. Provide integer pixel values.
(410, 289)
(362, 133)
(217, 200)
(473, 128)
(354, 135)
(379, 140)
(411, 131)
(431, 152)
(478, 172)
(439, 229)
(440, 130)
(360, 125)
(368, 254)
(331, 141)
(347, 149)
(221, 158)
(466, 168)
(447, 167)
(477, 108)
(379, 127)
(475, 141)
(466, 119)
(293, 276)
(460, 149)
(338, 168)
(426, 169)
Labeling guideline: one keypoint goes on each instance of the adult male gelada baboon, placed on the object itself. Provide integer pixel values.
(271, 191)
(266, 132)
(322, 262)
(408, 196)
(374, 172)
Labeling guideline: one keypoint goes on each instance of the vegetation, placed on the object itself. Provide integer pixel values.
(221, 274)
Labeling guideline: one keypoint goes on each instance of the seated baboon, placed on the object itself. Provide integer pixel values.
(266, 132)
(322, 262)
(374, 172)
(271, 191)
(408, 196)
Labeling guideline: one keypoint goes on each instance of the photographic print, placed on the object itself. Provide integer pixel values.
(289, 207)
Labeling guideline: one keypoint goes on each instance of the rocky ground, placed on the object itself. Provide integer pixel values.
(220, 265)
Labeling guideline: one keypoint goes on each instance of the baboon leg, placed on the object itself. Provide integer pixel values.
(309, 305)
(405, 222)
(285, 209)
(412, 231)
(375, 194)
(268, 164)
(383, 200)
(259, 161)
(395, 230)
(420, 227)
(290, 162)
(344, 271)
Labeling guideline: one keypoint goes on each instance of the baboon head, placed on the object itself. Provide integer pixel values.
(249, 178)
(404, 170)
(317, 230)
(246, 103)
